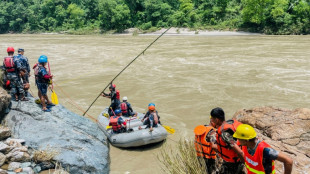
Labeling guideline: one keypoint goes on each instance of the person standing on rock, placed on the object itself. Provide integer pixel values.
(114, 98)
(258, 156)
(223, 142)
(12, 70)
(25, 69)
(43, 81)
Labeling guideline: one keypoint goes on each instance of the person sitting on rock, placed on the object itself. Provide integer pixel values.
(258, 156)
(117, 123)
(151, 118)
(42, 83)
(126, 108)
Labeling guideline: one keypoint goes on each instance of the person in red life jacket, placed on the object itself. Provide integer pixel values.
(12, 70)
(114, 96)
(126, 108)
(43, 82)
(203, 146)
(223, 142)
(117, 123)
(151, 118)
(258, 155)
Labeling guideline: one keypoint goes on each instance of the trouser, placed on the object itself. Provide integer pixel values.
(210, 165)
(114, 106)
(232, 168)
(16, 84)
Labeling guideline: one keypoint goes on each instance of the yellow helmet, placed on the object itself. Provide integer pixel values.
(245, 132)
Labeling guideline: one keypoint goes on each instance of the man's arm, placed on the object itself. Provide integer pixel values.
(287, 161)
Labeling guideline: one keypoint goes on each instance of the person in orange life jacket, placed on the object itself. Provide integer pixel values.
(259, 156)
(12, 69)
(43, 82)
(117, 123)
(223, 142)
(25, 69)
(203, 146)
(151, 118)
(114, 98)
(126, 108)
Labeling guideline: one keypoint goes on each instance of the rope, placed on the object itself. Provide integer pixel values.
(126, 68)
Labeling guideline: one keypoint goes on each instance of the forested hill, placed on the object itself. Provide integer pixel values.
(267, 16)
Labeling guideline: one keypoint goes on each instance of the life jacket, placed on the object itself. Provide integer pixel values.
(254, 164)
(9, 64)
(223, 148)
(117, 95)
(114, 123)
(124, 107)
(155, 116)
(202, 146)
(36, 69)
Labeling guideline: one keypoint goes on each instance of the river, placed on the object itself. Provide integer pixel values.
(185, 76)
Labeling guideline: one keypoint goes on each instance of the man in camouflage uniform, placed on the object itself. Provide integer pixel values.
(25, 69)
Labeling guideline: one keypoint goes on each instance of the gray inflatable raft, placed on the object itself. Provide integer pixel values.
(135, 137)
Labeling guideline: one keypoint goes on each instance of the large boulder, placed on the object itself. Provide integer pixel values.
(5, 100)
(285, 130)
(79, 144)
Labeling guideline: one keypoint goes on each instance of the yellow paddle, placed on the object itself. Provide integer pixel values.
(54, 95)
(168, 129)
(108, 127)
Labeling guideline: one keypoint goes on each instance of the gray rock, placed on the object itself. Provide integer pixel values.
(3, 171)
(11, 172)
(2, 159)
(82, 147)
(5, 148)
(14, 165)
(5, 100)
(14, 141)
(18, 156)
(26, 164)
(37, 169)
(28, 170)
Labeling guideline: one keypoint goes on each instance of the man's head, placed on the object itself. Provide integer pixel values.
(112, 87)
(21, 51)
(217, 117)
(152, 108)
(124, 98)
(10, 50)
(245, 134)
(118, 112)
(42, 59)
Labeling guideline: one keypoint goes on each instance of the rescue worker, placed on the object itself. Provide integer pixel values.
(114, 99)
(259, 156)
(36, 71)
(203, 146)
(25, 69)
(117, 123)
(224, 143)
(126, 108)
(43, 81)
(151, 118)
(12, 70)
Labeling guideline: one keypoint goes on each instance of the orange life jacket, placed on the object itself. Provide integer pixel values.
(223, 148)
(114, 123)
(202, 146)
(9, 64)
(254, 164)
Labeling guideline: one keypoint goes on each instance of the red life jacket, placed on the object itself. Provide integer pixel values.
(36, 69)
(124, 107)
(254, 164)
(224, 149)
(9, 64)
(117, 95)
(114, 123)
(203, 147)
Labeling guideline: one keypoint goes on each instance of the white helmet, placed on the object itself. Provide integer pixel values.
(125, 98)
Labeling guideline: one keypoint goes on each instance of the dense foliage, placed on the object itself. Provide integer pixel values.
(267, 16)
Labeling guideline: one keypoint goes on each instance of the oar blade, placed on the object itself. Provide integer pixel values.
(54, 98)
(169, 129)
(108, 127)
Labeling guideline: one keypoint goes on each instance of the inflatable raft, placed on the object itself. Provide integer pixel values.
(134, 137)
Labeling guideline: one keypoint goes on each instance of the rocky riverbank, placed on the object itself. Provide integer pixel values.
(78, 144)
(285, 130)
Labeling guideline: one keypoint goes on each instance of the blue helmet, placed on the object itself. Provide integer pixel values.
(117, 111)
(42, 59)
(151, 104)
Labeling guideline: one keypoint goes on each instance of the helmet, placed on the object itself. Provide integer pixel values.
(152, 108)
(42, 59)
(21, 50)
(125, 98)
(112, 86)
(10, 49)
(151, 104)
(117, 111)
(245, 132)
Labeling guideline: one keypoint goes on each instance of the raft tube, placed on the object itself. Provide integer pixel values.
(134, 137)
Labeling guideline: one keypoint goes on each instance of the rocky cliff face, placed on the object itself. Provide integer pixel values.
(5, 100)
(81, 146)
(285, 130)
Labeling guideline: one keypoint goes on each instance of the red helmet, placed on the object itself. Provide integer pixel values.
(112, 86)
(10, 49)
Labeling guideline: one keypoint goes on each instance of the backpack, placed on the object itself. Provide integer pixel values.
(117, 94)
(124, 107)
(9, 64)
(36, 69)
